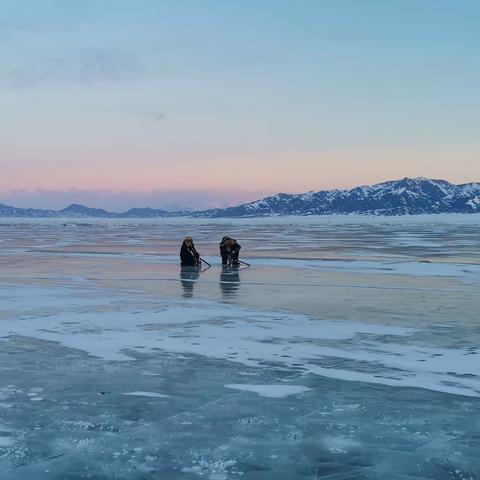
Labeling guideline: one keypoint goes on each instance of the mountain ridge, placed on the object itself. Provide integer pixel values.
(407, 196)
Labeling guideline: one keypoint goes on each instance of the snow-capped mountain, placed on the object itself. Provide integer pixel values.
(399, 197)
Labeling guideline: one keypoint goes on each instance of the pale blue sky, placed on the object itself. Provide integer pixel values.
(148, 95)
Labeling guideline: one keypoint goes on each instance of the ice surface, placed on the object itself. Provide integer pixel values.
(348, 351)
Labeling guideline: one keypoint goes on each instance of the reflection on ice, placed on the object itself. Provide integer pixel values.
(229, 282)
(188, 276)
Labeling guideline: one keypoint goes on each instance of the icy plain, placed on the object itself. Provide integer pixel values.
(349, 350)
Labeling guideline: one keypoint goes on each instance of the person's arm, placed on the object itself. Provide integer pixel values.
(236, 247)
(184, 254)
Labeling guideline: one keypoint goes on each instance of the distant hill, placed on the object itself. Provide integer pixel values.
(148, 213)
(9, 211)
(81, 211)
(409, 196)
(76, 211)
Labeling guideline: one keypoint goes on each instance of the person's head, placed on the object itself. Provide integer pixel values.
(188, 241)
(230, 242)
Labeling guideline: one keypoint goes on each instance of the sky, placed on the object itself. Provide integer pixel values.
(198, 103)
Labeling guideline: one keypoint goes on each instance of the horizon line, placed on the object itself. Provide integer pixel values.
(193, 210)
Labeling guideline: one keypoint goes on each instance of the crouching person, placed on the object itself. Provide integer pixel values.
(189, 256)
(229, 250)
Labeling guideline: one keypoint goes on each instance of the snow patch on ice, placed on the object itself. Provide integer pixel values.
(146, 394)
(345, 350)
(270, 391)
(340, 445)
(6, 442)
(36, 390)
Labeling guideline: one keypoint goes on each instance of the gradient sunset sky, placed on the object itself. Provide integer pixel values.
(121, 103)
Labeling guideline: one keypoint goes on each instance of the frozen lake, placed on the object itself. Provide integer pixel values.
(348, 351)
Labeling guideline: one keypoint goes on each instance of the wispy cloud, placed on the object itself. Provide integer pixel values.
(156, 116)
(87, 66)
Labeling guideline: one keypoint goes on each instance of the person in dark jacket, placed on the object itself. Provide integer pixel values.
(189, 256)
(229, 250)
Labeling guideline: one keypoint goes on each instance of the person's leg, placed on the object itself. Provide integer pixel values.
(223, 253)
(235, 254)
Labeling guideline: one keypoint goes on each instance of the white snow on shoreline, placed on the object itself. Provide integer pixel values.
(432, 219)
(112, 329)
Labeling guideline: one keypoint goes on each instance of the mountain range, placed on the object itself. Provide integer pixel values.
(409, 196)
